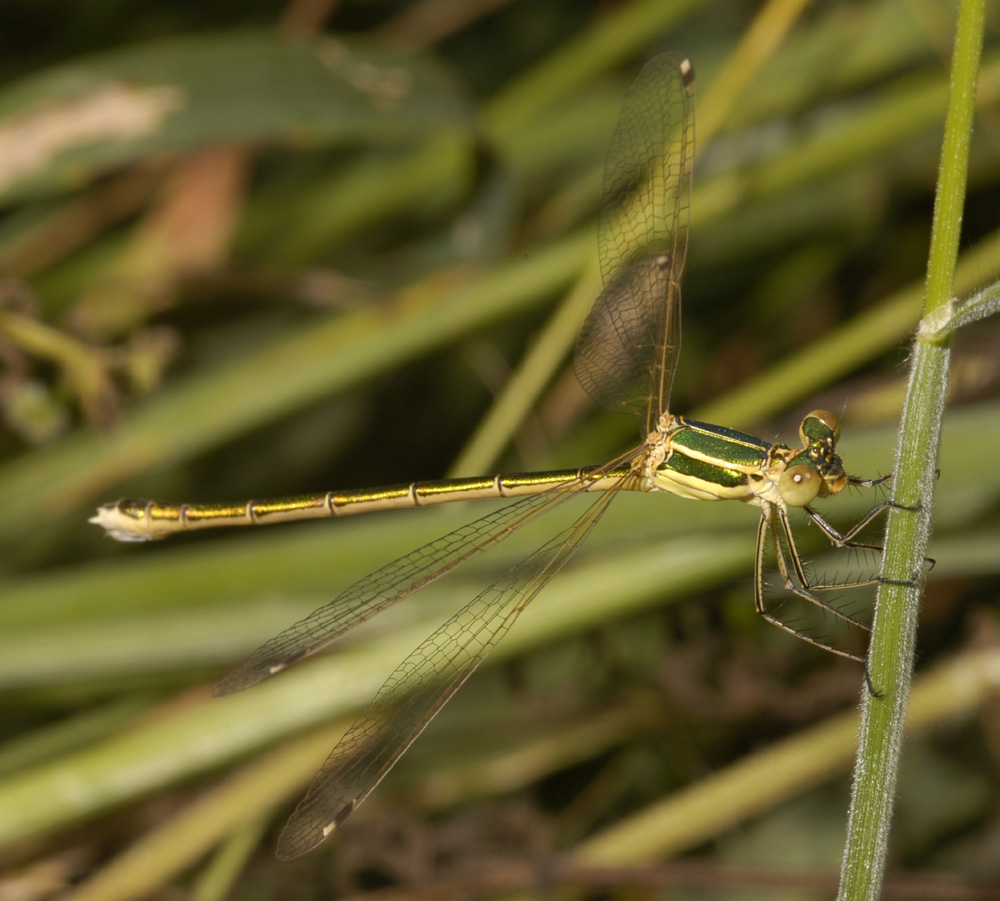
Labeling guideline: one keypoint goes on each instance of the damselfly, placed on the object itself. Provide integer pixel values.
(625, 358)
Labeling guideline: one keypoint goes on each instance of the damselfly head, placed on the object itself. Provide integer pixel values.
(816, 470)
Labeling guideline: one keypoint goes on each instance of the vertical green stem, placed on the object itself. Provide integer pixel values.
(908, 531)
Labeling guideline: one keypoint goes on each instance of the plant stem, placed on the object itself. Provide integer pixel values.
(908, 531)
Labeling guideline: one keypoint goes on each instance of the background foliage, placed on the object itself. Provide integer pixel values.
(259, 248)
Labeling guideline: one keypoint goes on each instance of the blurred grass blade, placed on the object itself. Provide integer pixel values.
(70, 125)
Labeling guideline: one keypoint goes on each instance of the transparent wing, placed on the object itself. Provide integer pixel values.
(383, 588)
(421, 685)
(627, 350)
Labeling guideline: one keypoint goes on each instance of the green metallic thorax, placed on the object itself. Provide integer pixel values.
(710, 462)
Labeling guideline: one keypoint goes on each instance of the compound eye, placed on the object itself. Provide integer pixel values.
(819, 425)
(799, 485)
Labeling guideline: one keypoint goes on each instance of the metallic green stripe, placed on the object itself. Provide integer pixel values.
(707, 473)
(721, 446)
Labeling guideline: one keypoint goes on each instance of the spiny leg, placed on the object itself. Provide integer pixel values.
(774, 520)
(846, 539)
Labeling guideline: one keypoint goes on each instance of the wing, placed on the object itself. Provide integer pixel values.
(383, 588)
(421, 685)
(627, 350)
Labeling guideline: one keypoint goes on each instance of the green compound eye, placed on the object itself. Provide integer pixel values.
(799, 485)
(819, 425)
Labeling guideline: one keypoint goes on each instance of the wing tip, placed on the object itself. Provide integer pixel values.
(293, 843)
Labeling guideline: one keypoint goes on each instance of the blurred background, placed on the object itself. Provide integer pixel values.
(263, 248)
